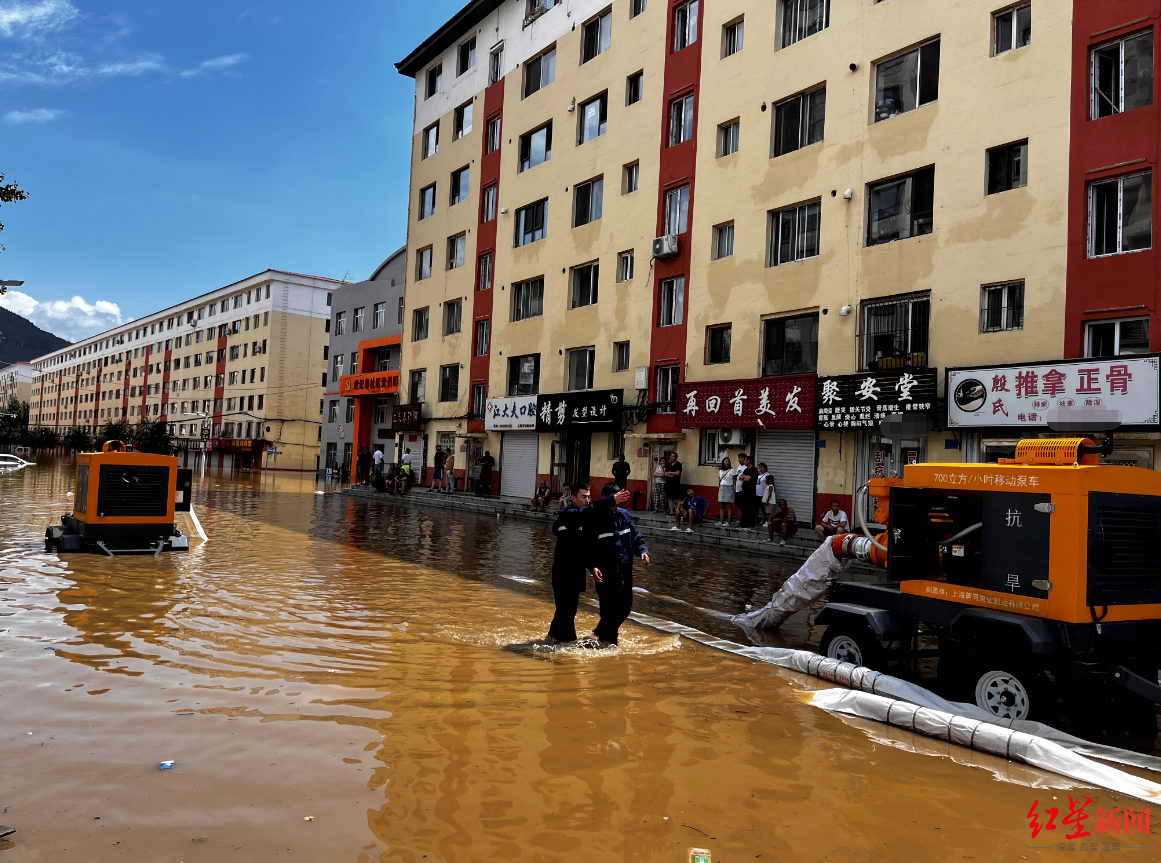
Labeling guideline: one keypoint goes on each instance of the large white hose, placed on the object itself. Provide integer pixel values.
(798, 591)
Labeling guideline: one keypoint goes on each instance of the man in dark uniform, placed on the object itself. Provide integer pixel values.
(617, 541)
(575, 544)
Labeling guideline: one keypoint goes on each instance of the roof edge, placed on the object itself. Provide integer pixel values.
(449, 33)
(388, 260)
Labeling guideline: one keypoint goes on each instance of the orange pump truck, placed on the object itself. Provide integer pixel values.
(124, 503)
(1038, 578)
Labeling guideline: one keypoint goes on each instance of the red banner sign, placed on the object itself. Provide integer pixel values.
(774, 403)
(370, 383)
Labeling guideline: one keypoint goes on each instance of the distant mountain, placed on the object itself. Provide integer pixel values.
(21, 339)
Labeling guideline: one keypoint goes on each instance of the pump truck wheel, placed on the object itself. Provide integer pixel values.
(851, 641)
(1003, 685)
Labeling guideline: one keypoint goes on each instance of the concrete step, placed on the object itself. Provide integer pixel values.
(655, 526)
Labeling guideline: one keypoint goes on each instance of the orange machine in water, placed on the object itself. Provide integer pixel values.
(124, 502)
(1037, 569)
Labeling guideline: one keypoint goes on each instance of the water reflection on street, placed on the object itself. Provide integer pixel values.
(331, 679)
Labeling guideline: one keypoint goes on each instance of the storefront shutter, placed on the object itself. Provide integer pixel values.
(789, 456)
(518, 458)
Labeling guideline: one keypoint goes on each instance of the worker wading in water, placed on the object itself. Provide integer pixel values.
(617, 541)
(575, 544)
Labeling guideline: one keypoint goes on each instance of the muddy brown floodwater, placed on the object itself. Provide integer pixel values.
(332, 684)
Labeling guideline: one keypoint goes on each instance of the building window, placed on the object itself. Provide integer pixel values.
(449, 383)
(460, 185)
(588, 202)
(535, 147)
(1007, 167)
(489, 204)
(382, 412)
(717, 344)
(681, 120)
(677, 210)
(378, 315)
(340, 329)
(427, 202)
(496, 64)
(531, 221)
(434, 80)
(463, 121)
(901, 208)
(790, 345)
(431, 140)
(350, 418)
(358, 319)
(794, 233)
(524, 375)
(685, 25)
(417, 387)
(481, 348)
(383, 360)
(493, 143)
(631, 178)
(336, 370)
(799, 121)
(723, 241)
(894, 332)
(1013, 29)
(668, 378)
(400, 316)
(452, 316)
(484, 273)
(620, 356)
(594, 118)
(539, 72)
(732, 37)
(1121, 215)
(479, 400)
(1122, 75)
(456, 250)
(527, 299)
(419, 325)
(634, 88)
(802, 18)
(467, 56)
(1002, 307)
(423, 264)
(907, 82)
(636, 7)
(333, 411)
(597, 36)
(1116, 338)
(672, 302)
(584, 285)
(625, 262)
(580, 368)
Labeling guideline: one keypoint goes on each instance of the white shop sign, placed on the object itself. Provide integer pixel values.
(515, 413)
(1022, 395)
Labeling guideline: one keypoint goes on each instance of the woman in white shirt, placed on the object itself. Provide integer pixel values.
(658, 484)
(727, 476)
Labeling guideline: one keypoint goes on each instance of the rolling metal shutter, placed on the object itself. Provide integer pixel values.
(518, 462)
(789, 456)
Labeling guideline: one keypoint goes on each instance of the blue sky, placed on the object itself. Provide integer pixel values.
(171, 148)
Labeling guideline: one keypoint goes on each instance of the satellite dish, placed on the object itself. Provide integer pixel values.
(905, 425)
(1084, 419)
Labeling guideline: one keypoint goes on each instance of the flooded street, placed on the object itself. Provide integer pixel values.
(327, 659)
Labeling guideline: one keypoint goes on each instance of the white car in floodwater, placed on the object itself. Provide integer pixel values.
(9, 462)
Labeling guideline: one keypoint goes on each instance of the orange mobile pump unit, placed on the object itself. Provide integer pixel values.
(124, 503)
(1039, 578)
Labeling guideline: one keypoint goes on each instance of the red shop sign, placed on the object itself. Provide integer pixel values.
(775, 403)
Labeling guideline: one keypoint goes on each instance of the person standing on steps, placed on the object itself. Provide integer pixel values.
(674, 490)
(747, 500)
(621, 471)
(437, 468)
(573, 555)
(449, 473)
(484, 483)
(617, 541)
(726, 478)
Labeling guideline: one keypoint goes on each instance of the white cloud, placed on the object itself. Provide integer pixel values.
(216, 64)
(36, 115)
(73, 319)
(24, 20)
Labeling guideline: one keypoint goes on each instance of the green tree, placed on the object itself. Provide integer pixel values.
(152, 436)
(120, 430)
(10, 193)
(79, 439)
(14, 422)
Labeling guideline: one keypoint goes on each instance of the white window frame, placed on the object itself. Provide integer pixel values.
(671, 308)
(1120, 214)
(685, 25)
(1088, 325)
(626, 262)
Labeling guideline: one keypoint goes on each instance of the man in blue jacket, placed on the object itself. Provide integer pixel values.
(617, 541)
(575, 543)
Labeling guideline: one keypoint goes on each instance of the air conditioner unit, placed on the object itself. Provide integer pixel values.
(665, 247)
(731, 437)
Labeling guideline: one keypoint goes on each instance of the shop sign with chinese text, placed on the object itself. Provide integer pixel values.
(1022, 395)
(514, 413)
(588, 410)
(864, 400)
(775, 403)
(405, 417)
